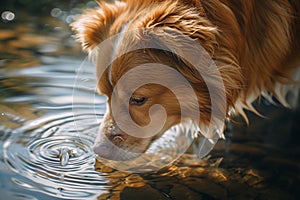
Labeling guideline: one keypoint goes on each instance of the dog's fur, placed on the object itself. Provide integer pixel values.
(254, 43)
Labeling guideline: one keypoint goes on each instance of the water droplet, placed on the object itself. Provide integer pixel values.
(74, 152)
(64, 156)
(62, 176)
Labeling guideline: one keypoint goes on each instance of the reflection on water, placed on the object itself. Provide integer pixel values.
(47, 127)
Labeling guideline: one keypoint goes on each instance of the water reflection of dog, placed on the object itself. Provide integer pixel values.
(255, 46)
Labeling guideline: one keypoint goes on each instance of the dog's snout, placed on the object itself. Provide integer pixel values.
(102, 150)
(112, 130)
(113, 133)
(109, 139)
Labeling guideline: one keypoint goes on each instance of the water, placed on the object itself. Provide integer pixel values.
(50, 113)
(43, 149)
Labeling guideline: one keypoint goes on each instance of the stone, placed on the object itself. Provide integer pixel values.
(207, 187)
(146, 193)
(183, 192)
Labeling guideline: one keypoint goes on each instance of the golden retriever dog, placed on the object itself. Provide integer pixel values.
(253, 43)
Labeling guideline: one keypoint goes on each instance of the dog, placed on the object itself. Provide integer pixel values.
(254, 45)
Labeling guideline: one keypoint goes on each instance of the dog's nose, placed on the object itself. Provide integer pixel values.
(102, 150)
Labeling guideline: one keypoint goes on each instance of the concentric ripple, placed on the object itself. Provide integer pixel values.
(49, 152)
(61, 164)
(61, 153)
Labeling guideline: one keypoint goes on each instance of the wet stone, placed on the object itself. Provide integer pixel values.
(165, 184)
(134, 180)
(103, 169)
(252, 178)
(198, 172)
(182, 192)
(219, 175)
(207, 187)
(237, 190)
(146, 193)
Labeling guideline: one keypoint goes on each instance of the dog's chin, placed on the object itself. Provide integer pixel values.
(173, 142)
(107, 150)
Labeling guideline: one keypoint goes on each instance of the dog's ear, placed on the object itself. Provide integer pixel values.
(93, 26)
(187, 20)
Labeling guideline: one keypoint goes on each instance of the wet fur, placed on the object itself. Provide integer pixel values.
(255, 45)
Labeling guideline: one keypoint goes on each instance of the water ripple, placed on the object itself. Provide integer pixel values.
(52, 155)
(59, 164)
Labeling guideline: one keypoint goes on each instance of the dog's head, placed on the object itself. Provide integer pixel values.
(149, 86)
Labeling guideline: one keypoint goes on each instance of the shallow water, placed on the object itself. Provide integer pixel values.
(49, 115)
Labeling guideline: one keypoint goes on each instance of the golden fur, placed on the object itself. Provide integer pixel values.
(255, 45)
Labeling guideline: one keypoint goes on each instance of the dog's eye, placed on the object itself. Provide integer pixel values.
(138, 101)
